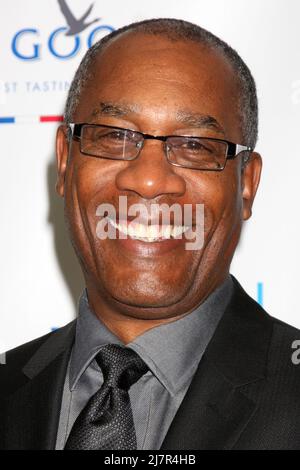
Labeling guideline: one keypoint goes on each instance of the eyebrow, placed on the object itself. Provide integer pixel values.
(113, 109)
(197, 120)
(204, 121)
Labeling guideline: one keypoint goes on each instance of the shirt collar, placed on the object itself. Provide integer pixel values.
(91, 335)
(172, 351)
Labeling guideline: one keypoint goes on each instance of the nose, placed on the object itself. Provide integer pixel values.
(151, 175)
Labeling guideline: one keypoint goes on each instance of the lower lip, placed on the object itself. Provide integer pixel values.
(142, 248)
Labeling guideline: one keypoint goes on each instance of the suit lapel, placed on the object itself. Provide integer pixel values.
(212, 414)
(35, 407)
(215, 411)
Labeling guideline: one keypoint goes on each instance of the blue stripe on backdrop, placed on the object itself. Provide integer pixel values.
(260, 293)
(7, 120)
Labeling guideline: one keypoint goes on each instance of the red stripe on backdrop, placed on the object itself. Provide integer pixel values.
(51, 118)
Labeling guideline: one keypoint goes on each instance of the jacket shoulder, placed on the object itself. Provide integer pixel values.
(244, 300)
(285, 327)
(18, 356)
(281, 340)
(11, 371)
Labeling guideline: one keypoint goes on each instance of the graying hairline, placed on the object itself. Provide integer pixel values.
(83, 74)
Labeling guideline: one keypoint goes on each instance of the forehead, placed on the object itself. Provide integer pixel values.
(149, 71)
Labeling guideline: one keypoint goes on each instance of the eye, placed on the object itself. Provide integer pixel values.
(196, 146)
(123, 135)
(116, 135)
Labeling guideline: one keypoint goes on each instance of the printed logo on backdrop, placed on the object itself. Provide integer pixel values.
(71, 34)
(64, 42)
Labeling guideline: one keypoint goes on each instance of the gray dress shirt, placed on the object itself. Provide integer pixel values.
(172, 352)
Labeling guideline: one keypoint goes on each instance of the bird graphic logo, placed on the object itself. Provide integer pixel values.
(75, 25)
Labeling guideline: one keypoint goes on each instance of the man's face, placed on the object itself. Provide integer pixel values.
(159, 87)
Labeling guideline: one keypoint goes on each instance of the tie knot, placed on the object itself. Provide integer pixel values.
(121, 367)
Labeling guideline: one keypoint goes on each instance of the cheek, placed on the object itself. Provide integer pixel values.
(222, 198)
(219, 192)
(228, 215)
(93, 182)
(89, 184)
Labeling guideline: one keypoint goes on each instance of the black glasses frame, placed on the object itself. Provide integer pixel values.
(233, 149)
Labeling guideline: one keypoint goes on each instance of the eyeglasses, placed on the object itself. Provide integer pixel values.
(116, 143)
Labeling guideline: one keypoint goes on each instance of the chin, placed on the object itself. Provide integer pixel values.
(147, 298)
(147, 289)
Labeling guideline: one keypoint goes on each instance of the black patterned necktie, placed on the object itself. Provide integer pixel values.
(106, 422)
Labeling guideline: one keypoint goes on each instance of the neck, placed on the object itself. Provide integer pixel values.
(127, 322)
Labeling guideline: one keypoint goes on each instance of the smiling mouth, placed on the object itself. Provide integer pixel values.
(149, 233)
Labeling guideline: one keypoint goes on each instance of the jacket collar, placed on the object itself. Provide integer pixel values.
(35, 406)
(57, 344)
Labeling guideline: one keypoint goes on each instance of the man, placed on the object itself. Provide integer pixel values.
(168, 351)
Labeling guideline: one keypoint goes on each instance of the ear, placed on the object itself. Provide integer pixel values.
(62, 151)
(250, 181)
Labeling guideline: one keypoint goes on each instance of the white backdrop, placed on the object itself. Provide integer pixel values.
(40, 280)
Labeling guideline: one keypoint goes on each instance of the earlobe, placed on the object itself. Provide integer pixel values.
(62, 151)
(250, 180)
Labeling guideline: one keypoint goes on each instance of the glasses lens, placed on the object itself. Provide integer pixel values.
(197, 152)
(119, 144)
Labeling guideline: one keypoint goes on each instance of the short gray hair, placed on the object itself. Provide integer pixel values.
(176, 30)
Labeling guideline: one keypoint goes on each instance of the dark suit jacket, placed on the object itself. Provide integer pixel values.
(244, 395)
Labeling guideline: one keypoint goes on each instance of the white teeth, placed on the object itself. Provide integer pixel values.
(129, 231)
(153, 231)
(177, 231)
(149, 233)
(166, 231)
(141, 230)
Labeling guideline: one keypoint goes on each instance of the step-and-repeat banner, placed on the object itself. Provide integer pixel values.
(40, 278)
